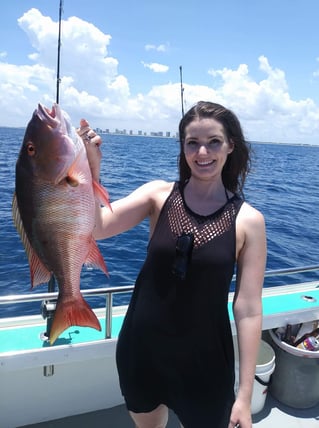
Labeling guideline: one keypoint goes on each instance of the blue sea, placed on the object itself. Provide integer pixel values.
(283, 184)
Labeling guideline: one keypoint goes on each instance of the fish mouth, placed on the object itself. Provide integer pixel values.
(58, 119)
(59, 122)
(54, 118)
(51, 117)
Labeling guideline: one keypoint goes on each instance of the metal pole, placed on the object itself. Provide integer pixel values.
(48, 307)
(58, 80)
(108, 316)
(182, 89)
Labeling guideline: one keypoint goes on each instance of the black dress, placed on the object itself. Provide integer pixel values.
(175, 346)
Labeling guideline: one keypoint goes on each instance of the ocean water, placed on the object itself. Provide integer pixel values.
(283, 184)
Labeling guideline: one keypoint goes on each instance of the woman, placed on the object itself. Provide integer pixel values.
(175, 348)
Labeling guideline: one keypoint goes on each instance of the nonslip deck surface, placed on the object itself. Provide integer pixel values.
(30, 337)
(273, 415)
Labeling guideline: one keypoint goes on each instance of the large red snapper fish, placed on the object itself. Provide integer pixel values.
(54, 211)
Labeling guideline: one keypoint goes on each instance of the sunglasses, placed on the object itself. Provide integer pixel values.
(183, 254)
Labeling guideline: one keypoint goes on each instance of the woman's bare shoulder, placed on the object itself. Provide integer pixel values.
(160, 190)
(248, 213)
(154, 190)
(146, 201)
(250, 224)
(159, 185)
(149, 195)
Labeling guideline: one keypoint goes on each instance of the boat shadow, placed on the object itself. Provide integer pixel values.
(67, 340)
(117, 416)
(271, 405)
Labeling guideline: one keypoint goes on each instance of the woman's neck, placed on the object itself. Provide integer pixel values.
(203, 197)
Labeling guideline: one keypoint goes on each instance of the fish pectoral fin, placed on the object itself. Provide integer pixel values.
(75, 176)
(101, 194)
(69, 313)
(38, 272)
(95, 258)
(72, 181)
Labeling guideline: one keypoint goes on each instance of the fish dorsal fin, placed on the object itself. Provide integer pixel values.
(38, 272)
(94, 257)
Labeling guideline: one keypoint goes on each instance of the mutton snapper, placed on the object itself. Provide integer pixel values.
(54, 211)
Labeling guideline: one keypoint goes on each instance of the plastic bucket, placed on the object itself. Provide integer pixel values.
(296, 378)
(264, 368)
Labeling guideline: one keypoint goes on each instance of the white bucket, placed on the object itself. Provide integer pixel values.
(264, 368)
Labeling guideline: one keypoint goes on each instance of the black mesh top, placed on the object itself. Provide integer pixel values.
(175, 346)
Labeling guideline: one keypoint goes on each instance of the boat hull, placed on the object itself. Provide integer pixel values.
(87, 383)
(78, 375)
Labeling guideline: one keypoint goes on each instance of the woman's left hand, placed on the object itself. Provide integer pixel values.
(240, 416)
(92, 143)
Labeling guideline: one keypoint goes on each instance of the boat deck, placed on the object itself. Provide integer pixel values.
(71, 400)
(274, 414)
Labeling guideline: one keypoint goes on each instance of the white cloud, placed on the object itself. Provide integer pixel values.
(158, 48)
(92, 87)
(84, 54)
(266, 108)
(157, 68)
(162, 48)
(316, 73)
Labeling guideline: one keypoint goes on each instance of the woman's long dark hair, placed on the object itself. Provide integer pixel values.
(237, 165)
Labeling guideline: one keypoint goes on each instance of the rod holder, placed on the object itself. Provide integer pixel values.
(47, 311)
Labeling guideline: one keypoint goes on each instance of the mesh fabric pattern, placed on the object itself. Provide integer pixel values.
(204, 228)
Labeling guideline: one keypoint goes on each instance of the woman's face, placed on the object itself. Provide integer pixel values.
(206, 148)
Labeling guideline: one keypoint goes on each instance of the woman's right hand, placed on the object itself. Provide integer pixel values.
(92, 143)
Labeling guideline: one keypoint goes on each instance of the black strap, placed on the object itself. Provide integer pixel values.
(262, 382)
(226, 193)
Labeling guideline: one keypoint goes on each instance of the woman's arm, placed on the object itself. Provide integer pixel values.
(247, 305)
(146, 201)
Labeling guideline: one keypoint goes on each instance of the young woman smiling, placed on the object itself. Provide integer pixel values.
(175, 348)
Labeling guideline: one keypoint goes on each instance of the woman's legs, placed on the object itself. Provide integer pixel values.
(155, 419)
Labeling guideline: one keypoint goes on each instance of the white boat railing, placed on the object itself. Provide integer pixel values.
(290, 271)
(52, 296)
(110, 291)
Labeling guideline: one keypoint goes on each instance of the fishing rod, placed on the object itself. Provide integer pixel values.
(182, 89)
(58, 79)
(48, 306)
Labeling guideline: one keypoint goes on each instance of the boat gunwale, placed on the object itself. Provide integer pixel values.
(68, 352)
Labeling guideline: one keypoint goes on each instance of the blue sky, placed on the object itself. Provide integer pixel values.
(120, 63)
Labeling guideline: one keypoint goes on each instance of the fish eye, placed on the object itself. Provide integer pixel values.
(30, 149)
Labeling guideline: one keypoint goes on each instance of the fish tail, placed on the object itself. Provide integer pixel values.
(72, 313)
